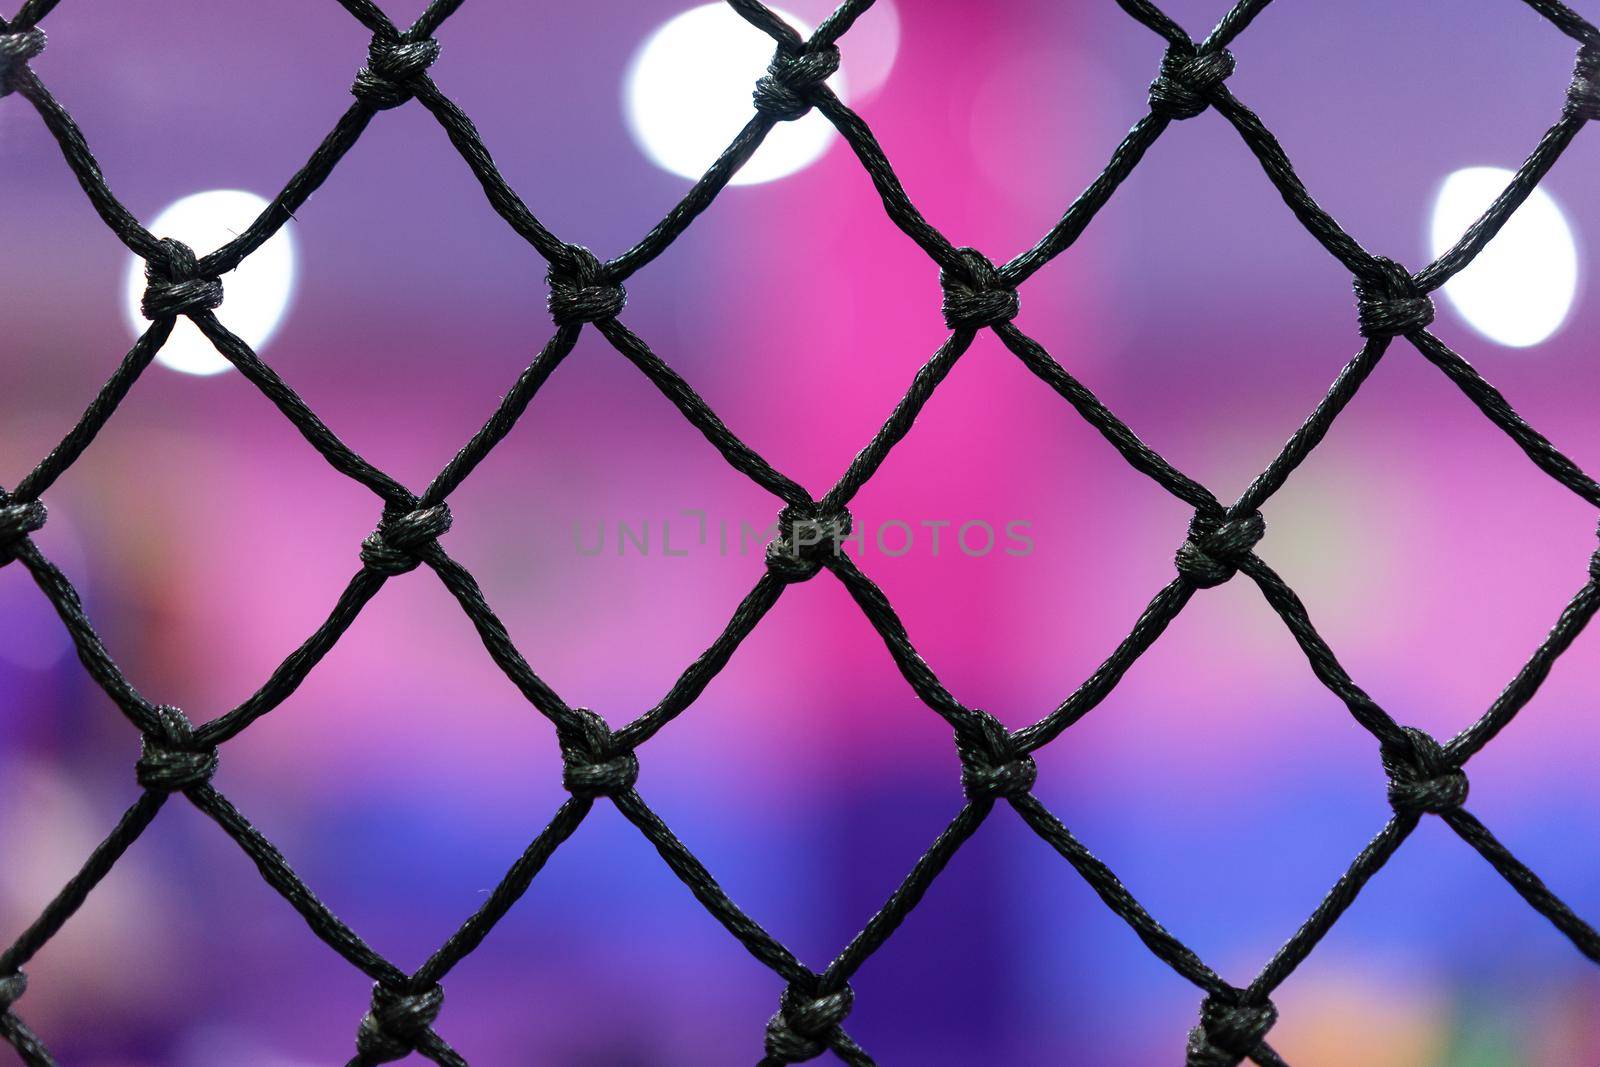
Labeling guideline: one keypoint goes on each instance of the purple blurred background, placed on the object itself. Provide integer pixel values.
(1220, 781)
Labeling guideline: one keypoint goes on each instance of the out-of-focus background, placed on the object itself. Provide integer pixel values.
(1220, 781)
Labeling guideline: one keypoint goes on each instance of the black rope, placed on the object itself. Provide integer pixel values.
(1426, 776)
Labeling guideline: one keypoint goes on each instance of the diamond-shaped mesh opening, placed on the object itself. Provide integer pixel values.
(666, 1006)
(1248, 720)
(953, 526)
(602, 756)
(1479, 111)
(1386, 512)
(164, 138)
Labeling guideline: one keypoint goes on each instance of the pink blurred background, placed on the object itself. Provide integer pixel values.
(1220, 781)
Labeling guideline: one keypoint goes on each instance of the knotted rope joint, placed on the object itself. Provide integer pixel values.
(16, 49)
(394, 71)
(808, 537)
(1425, 779)
(18, 519)
(397, 545)
(593, 763)
(397, 1023)
(12, 986)
(1189, 81)
(580, 291)
(1218, 546)
(170, 761)
(992, 768)
(1229, 1031)
(174, 285)
(1583, 95)
(805, 1023)
(1388, 301)
(794, 81)
(975, 295)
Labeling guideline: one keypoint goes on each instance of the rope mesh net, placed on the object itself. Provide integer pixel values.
(1426, 776)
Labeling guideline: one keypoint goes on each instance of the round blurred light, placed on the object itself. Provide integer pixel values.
(1522, 285)
(255, 295)
(687, 95)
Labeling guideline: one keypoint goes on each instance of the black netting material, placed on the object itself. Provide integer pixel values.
(1426, 777)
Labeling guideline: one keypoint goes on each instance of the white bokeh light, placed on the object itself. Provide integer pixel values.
(687, 95)
(1522, 286)
(255, 295)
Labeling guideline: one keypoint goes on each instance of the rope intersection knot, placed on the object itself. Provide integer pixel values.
(395, 66)
(12, 986)
(808, 537)
(1583, 95)
(1594, 564)
(975, 294)
(16, 49)
(18, 519)
(397, 1023)
(805, 1023)
(170, 761)
(992, 767)
(580, 291)
(1189, 81)
(794, 80)
(1388, 301)
(1218, 546)
(1425, 780)
(174, 285)
(1229, 1031)
(593, 764)
(397, 545)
